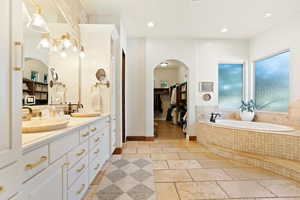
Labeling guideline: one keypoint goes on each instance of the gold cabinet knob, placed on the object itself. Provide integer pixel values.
(97, 139)
(94, 129)
(1, 189)
(96, 152)
(81, 189)
(97, 167)
(86, 134)
(81, 153)
(82, 168)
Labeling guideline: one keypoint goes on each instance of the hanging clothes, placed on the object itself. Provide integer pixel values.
(174, 96)
(157, 103)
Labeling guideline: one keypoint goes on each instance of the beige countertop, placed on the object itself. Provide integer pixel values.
(36, 140)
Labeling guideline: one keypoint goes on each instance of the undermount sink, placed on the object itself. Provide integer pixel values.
(35, 126)
(86, 114)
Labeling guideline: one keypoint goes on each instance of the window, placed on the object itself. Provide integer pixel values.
(272, 83)
(230, 85)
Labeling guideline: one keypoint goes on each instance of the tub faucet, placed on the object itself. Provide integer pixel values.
(214, 116)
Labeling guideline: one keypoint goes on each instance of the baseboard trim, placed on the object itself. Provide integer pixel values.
(139, 138)
(117, 151)
(193, 138)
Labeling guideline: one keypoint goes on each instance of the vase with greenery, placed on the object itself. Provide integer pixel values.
(247, 110)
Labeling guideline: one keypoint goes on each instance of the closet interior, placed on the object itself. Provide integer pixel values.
(170, 99)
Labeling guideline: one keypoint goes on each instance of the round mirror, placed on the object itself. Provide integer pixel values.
(101, 74)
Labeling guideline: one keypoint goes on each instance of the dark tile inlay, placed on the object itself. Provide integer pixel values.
(140, 192)
(120, 163)
(141, 163)
(116, 175)
(141, 175)
(111, 192)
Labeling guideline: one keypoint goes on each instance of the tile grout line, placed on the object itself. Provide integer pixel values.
(222, 189)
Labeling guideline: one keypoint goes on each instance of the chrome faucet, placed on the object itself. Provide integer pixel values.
(214, 116)
(28, 116)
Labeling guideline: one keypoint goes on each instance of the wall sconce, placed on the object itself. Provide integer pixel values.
(101, 77)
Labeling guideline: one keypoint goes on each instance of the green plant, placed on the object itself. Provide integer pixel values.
(248, 106)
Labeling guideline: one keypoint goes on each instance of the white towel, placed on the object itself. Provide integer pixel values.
(96, 100)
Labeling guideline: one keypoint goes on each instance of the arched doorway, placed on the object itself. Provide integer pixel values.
(170, 93)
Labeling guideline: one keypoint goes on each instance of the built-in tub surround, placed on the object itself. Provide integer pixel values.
(290, 118)
(273, 150)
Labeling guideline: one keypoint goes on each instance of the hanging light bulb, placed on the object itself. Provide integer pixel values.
(82, 53)
(63, 53)
(45, 42)
(66, 41)
(55, 46)
(37, 22)
(75, 46)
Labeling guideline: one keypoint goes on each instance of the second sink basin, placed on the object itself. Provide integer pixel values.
(35, 126)
(86, 114)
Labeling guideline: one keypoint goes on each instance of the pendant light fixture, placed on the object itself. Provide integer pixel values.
(63, 53)
(45, 42)
(55, 46)
(82, 53)
(66, 41)
(75, 46)
(37, 22)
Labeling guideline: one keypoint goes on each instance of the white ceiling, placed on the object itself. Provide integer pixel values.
(196, 19)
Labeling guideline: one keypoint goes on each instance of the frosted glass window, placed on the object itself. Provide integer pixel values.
(272, 83)
(230, 85)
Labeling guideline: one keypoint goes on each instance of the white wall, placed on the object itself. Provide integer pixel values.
(135, 87)
(276, 40)
(166, 74)
(210, 53)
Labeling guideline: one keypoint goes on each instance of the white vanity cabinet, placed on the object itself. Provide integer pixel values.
(64, 168)
(11, 99)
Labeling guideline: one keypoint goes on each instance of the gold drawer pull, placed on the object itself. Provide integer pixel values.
(96, 152)
(86, 134)
(97, 140)
(1, 189)
(82, 168)
(81, 153)
(97, 167)
(81, 189)
(94, 129)
(34, 165)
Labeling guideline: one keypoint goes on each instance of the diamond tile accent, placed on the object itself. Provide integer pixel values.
(120, 163)
(141, 175)
(116, 175)
(111, 192)
(141, 163)
(140, 192)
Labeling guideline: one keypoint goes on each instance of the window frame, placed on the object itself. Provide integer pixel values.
(243, 63)
(253, 93)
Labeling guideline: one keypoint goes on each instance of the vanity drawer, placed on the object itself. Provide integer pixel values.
(94, 169)
(94, 153)
(95, 140)
(79, 188)
(63, 146)
(78, 153)
(77, 170)
(9, 177)
(34, 162)
(84, 134)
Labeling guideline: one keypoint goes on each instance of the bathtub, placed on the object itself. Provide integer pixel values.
(253, 126)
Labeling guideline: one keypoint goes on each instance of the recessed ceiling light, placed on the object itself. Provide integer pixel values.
(150, 24)
(267, 15)
(224, 30)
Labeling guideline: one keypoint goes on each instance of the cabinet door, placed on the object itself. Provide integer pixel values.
(49, 185)
(10, 80)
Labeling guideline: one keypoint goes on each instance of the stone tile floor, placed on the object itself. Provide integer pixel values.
(185, 170)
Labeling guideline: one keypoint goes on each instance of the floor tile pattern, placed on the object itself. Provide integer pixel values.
(185, 170)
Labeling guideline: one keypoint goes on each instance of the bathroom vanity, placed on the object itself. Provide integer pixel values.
(58, 164)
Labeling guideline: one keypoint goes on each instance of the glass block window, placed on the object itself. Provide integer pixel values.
(230, 85)
(272, 83)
